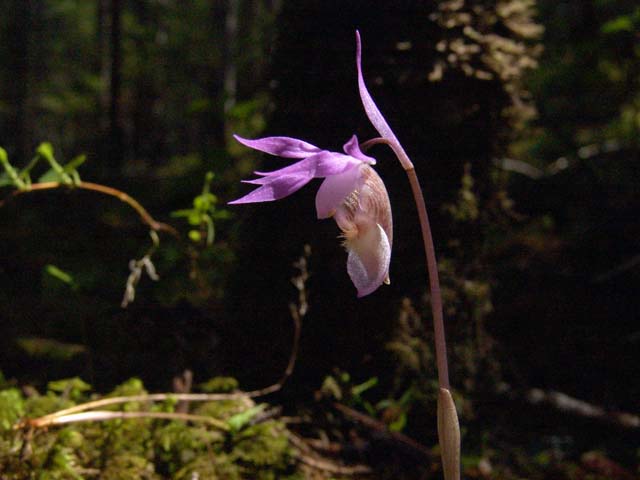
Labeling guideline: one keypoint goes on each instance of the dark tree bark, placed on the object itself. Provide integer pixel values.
(116, 142)
(146, 133)
(18, 84)
(214, 126)
(102, 32)
(230, 47)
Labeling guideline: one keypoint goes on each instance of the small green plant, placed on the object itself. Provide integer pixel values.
(203, 215)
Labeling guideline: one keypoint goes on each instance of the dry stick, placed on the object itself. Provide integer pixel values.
(310, 458)
(154, 397)
(292, 358)
(574, 406)
(101, 415)
(113, 192)
(379, 426)
(298, 312)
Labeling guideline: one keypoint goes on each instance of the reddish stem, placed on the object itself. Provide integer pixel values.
(434, 281)
(429, 250)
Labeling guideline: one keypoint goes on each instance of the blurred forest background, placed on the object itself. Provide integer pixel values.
(522, 119)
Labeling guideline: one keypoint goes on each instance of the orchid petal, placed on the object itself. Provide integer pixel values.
(275, 189)
(352, 147)
(334, 190)
(368, 259)
(286, 147)
(256, 181)
(374, 114)
(369, 105)
(322, 164)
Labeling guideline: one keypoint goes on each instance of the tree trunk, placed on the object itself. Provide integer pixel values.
(19, 37)
(102, 32)
(230, 82)
(116, 144)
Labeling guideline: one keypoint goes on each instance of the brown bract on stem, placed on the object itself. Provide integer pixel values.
(105, 190)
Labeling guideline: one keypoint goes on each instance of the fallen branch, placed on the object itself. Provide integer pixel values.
(309, 457)
(102, 415)
(566, 404)
(380, 427)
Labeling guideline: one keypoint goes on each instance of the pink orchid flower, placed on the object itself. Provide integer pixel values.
(352, 193)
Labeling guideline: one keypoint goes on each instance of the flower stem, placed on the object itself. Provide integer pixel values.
(448, 426)
(430, 253)
(434, 281)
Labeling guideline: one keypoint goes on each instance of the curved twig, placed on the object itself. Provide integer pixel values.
(105, 190)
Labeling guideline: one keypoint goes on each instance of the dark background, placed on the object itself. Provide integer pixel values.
(522, 120)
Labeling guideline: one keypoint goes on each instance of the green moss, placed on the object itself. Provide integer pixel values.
(262, 445)
(128, 467)
(219, 385)
(211, 467)
(11, 407)
(139, 448)
(38, 405)
(223, 409)
(73, 388)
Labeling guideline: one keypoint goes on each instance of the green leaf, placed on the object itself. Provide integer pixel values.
(45, 149)
(75, 163)
(11, 407)
(399, 423)
(221, 215)
(205, 201)
(182, 213)
(219, 385)
(10, 172)
(623, 23)
(240, 420)
(195, 218)
(620, 24)
(357, 390)
(73, 388)
(49, 349)
(49, 176)
(64, 384)
(61, 275)
(5, 180)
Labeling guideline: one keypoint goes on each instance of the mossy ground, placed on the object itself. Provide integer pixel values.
(139, 448)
